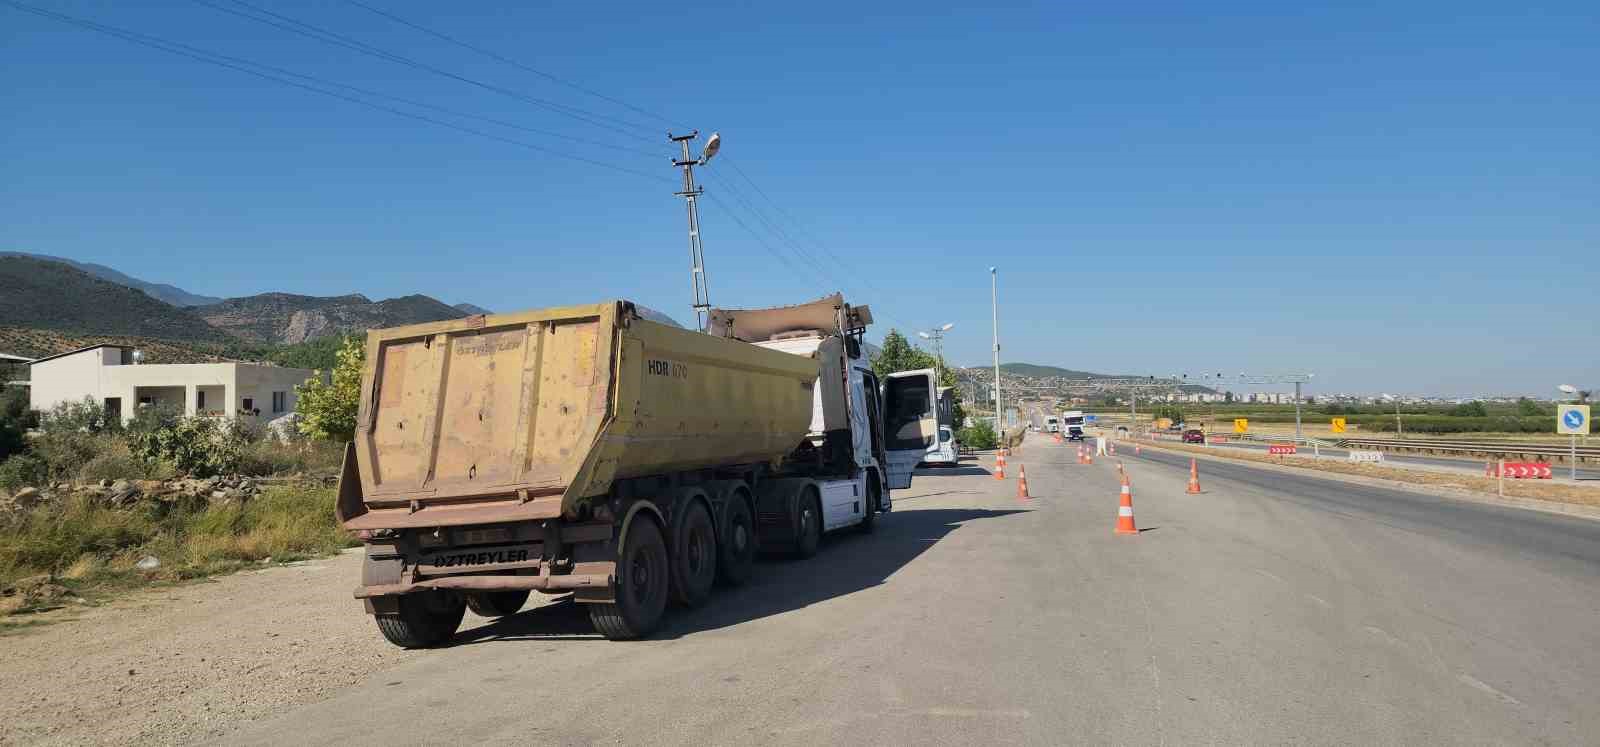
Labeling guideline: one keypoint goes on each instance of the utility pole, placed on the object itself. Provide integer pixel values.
(994, 311)
(936, 336)
(697, 257)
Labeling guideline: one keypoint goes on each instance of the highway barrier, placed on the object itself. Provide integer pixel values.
(1281, 449)
(1506, 449)
(1366, 456)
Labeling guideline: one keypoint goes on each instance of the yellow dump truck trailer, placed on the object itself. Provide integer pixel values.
(585, 449)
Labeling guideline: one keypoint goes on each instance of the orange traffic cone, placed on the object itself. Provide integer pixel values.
(1088, 456)
(1000, 465)
(1194, 477)
(1138, 449)
(1125, 523)
(1080, 454)
(1113, 449)
(1022, 483)
(1488, 469)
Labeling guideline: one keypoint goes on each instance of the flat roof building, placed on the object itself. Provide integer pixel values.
(112, 376)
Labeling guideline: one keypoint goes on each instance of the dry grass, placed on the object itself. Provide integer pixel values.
(92, 549)
(1544, 490)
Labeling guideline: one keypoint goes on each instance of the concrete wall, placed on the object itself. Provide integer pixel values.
(257, 383)
(67, 379)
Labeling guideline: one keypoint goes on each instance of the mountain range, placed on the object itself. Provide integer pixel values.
(52, 304)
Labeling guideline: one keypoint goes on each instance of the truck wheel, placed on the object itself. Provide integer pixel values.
(425, 618)
(808, 529)
(496, 603)
(736, 556)
(642, 572)
(874, 490)
(694, 556)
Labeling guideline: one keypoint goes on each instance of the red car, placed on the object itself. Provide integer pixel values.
(1194, 436)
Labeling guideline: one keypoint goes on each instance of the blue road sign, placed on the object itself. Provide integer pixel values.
(1091, 418)
(1573, 418)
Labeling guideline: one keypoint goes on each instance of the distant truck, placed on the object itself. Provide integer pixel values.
(1072, 421)
(585, 449)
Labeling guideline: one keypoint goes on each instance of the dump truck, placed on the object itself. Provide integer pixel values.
(589, 451)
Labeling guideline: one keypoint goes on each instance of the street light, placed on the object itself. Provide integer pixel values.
(994, 311)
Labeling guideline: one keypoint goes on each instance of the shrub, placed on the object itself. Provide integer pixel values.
(198, 446)
(117, 462)
(979, 435)
(23, 470)
(66, 452)
(83, 416)
(15, 419)
(1473, 409)
(270, 457)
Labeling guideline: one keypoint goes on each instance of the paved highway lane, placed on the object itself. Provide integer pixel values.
(1270, 609)
(1474, 466)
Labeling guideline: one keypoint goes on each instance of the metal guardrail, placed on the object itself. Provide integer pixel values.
(1476, 448)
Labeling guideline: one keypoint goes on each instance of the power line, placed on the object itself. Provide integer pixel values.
(491, 54)
(761, 239)
(212, 58)
(320, 34)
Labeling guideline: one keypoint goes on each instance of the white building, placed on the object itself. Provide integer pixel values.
(108, 375)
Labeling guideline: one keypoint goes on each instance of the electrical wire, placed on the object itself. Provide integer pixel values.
(491, 54)
(212, 58)
(302, 28)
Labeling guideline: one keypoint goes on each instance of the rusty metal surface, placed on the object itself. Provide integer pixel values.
(594, 577)
(504, 413)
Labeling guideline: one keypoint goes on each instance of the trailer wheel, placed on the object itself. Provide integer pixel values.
(642, 573)
(737, 551)
(694, 556)
(424, 619)
(808, 525)
(496, 603)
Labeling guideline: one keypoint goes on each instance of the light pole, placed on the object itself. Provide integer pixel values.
(937, 336)
(994, 312)
(691, 192)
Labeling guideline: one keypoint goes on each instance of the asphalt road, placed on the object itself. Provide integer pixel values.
(1269, 609)
(1409, 460)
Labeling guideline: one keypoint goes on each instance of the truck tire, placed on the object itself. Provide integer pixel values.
(424, 619)
(808, 524)
(642, 581)
(736, 556)
(496, 603)
(694, 556)
(869, 520)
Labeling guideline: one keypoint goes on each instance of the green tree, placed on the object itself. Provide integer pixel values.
(1527, 406)
(328, 408)
(15, 419)
(979, 435)
(898, 354)
(1473, 409)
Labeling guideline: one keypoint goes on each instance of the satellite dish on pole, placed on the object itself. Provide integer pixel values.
(712, 146)
(1568, 389)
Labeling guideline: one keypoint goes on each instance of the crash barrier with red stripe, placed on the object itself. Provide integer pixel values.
(1218, 439)
(1523, 471)
(1366, 456)
(1280, 449)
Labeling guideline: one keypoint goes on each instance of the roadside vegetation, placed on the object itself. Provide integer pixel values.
(1524, 416)
(90, 505)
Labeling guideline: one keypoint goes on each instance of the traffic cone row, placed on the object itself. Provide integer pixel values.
(1022, 483)
(1125, 523)
(1194, 477)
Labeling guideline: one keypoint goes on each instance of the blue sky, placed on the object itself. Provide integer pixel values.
(1400, 197)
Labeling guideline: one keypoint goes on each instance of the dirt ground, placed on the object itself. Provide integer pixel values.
(190, 662)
